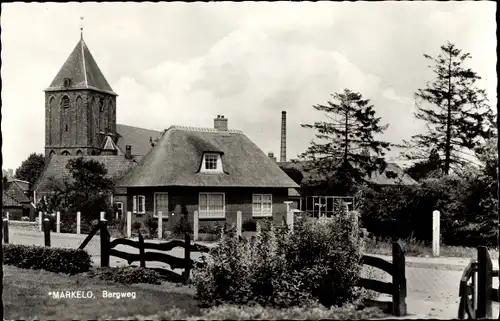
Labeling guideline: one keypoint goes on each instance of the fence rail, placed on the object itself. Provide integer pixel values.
(396, 288)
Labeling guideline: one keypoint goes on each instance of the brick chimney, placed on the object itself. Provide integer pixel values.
(271, 156)
(220, 123)
(128, 152)
(283, 137)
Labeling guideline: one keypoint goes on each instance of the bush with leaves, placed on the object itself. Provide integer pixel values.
(318, 262)
(58, 260)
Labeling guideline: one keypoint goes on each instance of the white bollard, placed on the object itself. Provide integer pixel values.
(40, 220)
(196, 219)
(238, 223)
(78, 223)
(58, 222)
(129, 224)
(435, 233)
(103, 216)
(7, 216)
(160, 225)
(289, 215)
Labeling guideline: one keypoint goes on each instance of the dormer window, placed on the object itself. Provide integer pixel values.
(67, 82)
(211, 163)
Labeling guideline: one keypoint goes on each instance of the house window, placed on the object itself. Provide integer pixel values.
(211, 161)
(119, 210)
(212, 205)
(139, 204)
(161, 204)
(262, 205)
(65, 102)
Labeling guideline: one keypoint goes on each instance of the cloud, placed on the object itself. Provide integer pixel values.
(180, 63)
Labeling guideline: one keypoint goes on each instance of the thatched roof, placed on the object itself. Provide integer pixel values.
(384, 178)
(138, 138)
(176, 160)
(56, 170)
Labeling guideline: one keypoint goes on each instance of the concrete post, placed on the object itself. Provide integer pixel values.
(40, 221)
(435, 233)
(78, 223)
(129, 224)
(160, 225)
(239, 223)
(58, 222)
(196, 227)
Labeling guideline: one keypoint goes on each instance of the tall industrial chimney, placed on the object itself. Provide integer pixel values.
(283, 137)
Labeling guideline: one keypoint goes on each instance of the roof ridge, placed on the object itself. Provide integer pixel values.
(20, 180)
(203, 129)
(83, 61)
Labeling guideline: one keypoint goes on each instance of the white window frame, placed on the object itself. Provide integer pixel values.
(155, 213)
(135, 200)
(218, 163)
(262, 213)
(206, 214)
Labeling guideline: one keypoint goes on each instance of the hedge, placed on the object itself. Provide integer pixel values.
(58, 260)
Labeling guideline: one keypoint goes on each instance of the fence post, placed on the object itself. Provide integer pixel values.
(78, 223)
(160, 225)
(435, 233)
(238, 224)
(6, 231)
(40, 221)
(46, 231)
(7, 215)
(142, 258)
(58, 222)
(289, 215)
(104, 243)
(129, 224)
(196, 219)
(485, 284)
(187, 257)
(398, 281)
(103, 216)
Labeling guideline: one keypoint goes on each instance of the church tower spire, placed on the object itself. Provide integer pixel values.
(80, 106)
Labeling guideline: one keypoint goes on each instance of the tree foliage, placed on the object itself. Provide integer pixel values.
(431, 167)
(31, 168)
(455, 110)
(86, 190)
(346, 141)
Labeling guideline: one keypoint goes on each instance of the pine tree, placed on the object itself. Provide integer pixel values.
(343, 157)
(456, 112)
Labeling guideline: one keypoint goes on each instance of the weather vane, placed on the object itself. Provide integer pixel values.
(81, 26)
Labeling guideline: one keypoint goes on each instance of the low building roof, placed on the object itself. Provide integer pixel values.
(176, 159)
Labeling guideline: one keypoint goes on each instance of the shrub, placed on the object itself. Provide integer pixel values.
(212, 228)
(58, 260)
(249, 225)
(126, 275)
(318, 261)
(152, 225)
(136, 226)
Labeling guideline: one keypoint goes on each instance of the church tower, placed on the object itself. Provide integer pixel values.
(80, 107)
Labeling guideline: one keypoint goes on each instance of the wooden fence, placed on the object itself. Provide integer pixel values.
(108, 250)
(476, 290)
(396, 288)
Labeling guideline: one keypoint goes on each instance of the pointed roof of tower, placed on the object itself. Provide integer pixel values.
(82, 70)
(109, 144)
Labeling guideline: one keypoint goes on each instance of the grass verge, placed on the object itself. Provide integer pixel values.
(26, 297)
(413, 247)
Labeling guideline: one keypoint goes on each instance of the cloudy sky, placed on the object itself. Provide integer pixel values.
(184, 63)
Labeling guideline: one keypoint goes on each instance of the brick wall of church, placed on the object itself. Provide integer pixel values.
(76, 128)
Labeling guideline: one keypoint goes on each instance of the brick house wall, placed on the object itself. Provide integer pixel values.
(236, 199)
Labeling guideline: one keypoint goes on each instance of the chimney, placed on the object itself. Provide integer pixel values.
(220, 123)
(283, 137)
(271, 156)
(128, 152)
